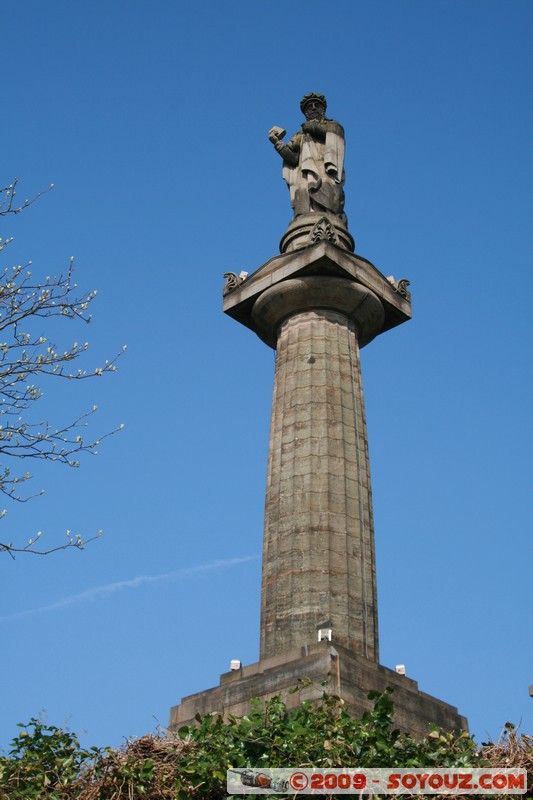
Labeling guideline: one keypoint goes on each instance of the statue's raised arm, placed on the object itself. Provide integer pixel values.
(313, 166)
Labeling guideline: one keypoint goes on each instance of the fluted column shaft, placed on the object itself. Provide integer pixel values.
(318, 557)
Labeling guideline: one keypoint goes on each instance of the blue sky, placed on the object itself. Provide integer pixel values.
(151, 119)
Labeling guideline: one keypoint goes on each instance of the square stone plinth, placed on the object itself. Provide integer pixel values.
(345, 674)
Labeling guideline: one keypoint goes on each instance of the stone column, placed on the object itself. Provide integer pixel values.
(318, 553)
(317, 306)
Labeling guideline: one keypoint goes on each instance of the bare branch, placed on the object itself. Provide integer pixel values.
(29, 310)
(7, 199)
(76, 542)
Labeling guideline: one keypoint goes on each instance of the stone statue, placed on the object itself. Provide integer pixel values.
(313, 162)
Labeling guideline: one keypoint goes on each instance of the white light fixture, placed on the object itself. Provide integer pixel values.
(324, 634)
(400, 669)
(235, 664)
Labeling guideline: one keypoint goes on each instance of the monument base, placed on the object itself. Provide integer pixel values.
(322, 667)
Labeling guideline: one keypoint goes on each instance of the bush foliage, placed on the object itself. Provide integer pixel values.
(49, 763)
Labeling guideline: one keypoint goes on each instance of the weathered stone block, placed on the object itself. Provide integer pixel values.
(346, 674)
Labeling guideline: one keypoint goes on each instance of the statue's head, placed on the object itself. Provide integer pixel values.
(313, 105)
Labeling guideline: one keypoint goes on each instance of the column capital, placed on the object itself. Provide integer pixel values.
(321, 260)
(317, 293)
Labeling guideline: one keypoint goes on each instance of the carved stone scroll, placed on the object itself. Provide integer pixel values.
(401, 288)
(232, 281)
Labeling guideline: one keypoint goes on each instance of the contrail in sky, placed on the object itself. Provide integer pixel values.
(101, 592)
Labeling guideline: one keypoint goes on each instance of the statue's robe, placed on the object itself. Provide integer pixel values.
(316, 181)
